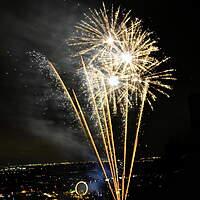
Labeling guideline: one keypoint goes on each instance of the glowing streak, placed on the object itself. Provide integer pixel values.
(110, 150)
(112, 138)
(145, 90)
(125, 144)
(82, 121)
(93, 143)
(66, 92)
(109, 157)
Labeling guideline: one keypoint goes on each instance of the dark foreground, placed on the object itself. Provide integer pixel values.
(155, 178)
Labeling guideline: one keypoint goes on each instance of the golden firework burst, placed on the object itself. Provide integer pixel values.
(122, 69)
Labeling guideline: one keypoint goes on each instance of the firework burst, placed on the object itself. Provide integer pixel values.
(120, 54)
(121, 69)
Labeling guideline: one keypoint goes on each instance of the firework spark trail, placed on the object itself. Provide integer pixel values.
(125, 145)
(112, 139)
(110, 148)
(93, 143)
(66, 92)
(145, 90)
(109, 157)
(82, 121)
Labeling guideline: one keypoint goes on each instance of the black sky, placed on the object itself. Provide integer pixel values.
(34, 127)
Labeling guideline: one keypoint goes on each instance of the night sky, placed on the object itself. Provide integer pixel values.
(34, 125)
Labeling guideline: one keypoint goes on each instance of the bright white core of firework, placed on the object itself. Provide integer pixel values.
(113, 81)
(110, 40)
(126, 57)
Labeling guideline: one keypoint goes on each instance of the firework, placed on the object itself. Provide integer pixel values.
(123, 54)
(121, 69)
